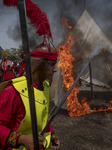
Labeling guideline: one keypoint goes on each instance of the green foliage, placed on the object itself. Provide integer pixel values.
(14, 54)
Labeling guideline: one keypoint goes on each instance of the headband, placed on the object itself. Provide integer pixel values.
(46, 55)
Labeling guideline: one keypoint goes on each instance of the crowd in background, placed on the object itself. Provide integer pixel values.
(8, 69)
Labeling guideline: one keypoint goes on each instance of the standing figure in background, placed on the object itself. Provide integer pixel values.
(7, 69)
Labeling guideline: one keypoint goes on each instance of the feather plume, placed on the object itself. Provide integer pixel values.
(10, 2)
(37, 17)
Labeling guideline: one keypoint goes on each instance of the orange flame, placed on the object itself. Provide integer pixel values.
(64, 21)
(74, 107)
(109, 108)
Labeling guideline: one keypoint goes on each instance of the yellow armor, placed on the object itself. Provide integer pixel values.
(41, 104)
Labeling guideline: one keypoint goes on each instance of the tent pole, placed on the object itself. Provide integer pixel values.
(91, 84)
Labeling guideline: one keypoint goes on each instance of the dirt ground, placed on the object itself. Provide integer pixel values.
(88, 132)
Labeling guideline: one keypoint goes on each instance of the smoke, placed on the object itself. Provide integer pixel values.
(101, 12)
(14, 32)
(56, 10)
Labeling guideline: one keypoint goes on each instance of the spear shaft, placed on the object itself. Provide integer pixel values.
(67, 94)
(25, 44)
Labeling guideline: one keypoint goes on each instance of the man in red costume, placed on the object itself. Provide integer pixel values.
(8, 69)
(15, 119)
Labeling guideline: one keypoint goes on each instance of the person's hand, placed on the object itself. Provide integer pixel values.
(55, 142)
(27, 141)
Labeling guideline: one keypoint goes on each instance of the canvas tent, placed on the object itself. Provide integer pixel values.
(87, 36)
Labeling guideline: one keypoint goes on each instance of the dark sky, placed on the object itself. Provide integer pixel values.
(100, 10)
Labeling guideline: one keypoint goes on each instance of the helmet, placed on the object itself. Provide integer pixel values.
(42, 51)
(43, 47)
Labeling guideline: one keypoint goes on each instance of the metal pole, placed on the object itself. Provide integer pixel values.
(91, 84)
(67, 94)
(25, 43)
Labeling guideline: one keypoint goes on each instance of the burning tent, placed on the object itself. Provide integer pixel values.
(87, 35)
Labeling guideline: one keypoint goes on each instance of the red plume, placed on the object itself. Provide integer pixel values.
(10, 2)
(37, 17)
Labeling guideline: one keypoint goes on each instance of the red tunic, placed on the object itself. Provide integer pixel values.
(12, 112)
(8, 75)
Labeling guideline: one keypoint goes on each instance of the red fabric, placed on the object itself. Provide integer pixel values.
(7, 69)
(50, 129)
(10, 2)
(47, 55)
(12, 112)
(8, 76)
(35, 85)
(37, 17)
(14, 67)
(7, 65)
(6, 59)
(21, 69)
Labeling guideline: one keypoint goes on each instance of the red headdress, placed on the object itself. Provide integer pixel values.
(43, 51)
(39, 20)
(37, 17)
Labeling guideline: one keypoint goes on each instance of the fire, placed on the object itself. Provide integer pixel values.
(74, 107)
(64, 21)
(106, 109)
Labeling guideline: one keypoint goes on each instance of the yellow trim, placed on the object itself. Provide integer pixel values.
(41, 104)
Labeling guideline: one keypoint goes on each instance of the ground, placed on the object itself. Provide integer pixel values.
(88, 132)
